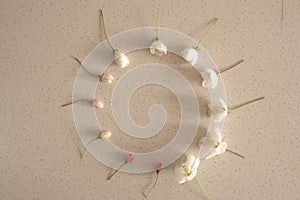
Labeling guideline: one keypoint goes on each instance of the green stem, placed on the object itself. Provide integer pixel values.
(155, 183)
(235, 153)
(157, 17)
(80, 63)
(206, 33)
(202, 189)
(244, 104)
(230, 67)
(104, 29)
(67, 104)
(108, 178)
(84, 150)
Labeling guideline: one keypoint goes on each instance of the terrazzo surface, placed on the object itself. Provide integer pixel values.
(38, 140)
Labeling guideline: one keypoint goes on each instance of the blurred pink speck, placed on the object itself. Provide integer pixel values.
(130, 157)
(159, 166)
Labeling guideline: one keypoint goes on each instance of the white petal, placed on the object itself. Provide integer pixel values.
(223, 104)
(205, 147)
(213, 78)
(195, 165)
(211, 154)
(121, 59)
(157, 47)
(190, 54)
(220, 116)
(221, 148)
(214, 136)
(190, 159)
(210, 78)
(218, 135)
(180, 175)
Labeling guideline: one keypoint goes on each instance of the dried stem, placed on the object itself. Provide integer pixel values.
(155, 183)
(70, 103)
(246, 103)
(85, 148)
(202, 189)
(80, 63)
(230, 67)
(108, 178)
(157, 18)
(235, 153)
(206, 33)
(104, 29)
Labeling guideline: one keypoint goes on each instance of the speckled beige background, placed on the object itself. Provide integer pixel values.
(38, 142)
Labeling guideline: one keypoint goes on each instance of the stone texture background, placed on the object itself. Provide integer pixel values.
(38, 140)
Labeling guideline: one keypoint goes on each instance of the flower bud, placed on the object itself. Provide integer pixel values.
(191, 55)
(130, 157)
(210, 78)
(107, 78)
(121, 59)
(105, 134)
(98, 104)
(158, 48)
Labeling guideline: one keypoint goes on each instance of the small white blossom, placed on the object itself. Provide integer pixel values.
(191, 55)
(210, 78)
(158, 48)
(218, 112)
(121, 59)
(187, 170)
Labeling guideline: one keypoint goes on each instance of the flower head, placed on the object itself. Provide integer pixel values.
(219, 112)
(158, 48)
(210, 78)
(159, 166)
(105, 134)
(212, 145)
(98, 104)
(121, 59)
(191, 55)
(107, 78)
(215, 139)
(130, 157)
(187, 170)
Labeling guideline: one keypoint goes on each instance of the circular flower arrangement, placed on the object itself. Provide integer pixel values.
(96, 140)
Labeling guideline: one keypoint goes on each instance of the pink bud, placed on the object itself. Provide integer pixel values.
(98, 104)
(107, 78)
(159, 166)
(130, 157)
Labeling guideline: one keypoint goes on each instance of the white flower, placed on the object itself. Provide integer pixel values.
(105, 134)
(218, 112)
(107, 78)
(217, 147)
(158, 48)
(121, 59)
(98, 104)
(187, 170)
(191, 55)
(210, 78)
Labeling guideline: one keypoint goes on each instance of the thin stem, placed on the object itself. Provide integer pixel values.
(85, 148)
(104, 29)
(70, 103)
(108, 178)
(246, 103)
(205, 34)
(155, 183)
(80, 63)
(157, 17)
(202, 189)
(230, 67)
(235, 153)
